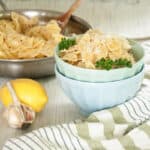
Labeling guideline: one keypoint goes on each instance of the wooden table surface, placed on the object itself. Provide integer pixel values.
(127, 17)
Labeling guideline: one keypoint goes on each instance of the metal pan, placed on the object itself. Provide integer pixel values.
(35, 68)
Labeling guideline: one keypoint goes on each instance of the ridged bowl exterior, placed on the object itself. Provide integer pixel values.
(91, 97)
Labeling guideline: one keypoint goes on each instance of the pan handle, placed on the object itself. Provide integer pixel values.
(3, 5)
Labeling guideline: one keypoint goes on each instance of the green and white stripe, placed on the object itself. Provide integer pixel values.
(125, 127)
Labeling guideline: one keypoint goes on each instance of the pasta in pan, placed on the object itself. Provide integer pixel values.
(23, 38)
(94, 46)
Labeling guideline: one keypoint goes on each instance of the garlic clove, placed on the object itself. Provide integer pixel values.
(19, 116)
(12, 114)
(29, 114)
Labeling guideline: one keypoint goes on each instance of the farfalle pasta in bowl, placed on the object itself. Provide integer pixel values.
(98, 57)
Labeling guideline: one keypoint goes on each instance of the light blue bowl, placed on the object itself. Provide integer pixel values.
(91, 97)
(91, 75)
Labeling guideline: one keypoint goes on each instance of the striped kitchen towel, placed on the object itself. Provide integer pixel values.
(124, 127)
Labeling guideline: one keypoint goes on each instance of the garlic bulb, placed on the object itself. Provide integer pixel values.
(18, 115)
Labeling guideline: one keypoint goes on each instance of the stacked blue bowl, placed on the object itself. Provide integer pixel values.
(94, 95)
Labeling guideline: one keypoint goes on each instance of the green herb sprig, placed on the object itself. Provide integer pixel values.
(109, 64)
(66, 43)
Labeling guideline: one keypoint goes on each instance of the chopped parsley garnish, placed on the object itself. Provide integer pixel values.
(122, 63)
(109, 64)
(66, 43)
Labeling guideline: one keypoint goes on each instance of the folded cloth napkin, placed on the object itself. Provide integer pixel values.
(124, 127)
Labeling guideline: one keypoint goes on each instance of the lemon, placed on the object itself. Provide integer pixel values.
(28, 91)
